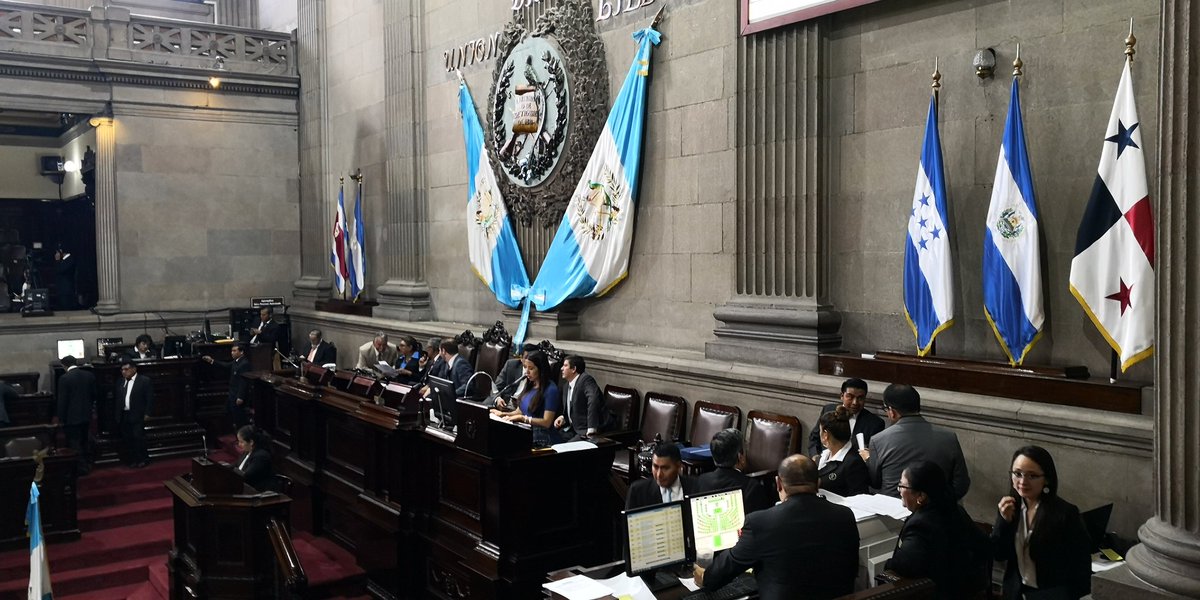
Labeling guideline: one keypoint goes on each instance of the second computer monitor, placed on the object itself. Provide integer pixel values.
(443, 399)
(716, 519)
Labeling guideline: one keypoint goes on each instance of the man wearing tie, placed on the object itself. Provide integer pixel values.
(235, 404)
(267, 331)
(321, 352)
(586, 412)
(668, 483)
(134, 396)
(76, 395)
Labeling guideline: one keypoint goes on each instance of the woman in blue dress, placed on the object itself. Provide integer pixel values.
(540, 403)
(407, 362)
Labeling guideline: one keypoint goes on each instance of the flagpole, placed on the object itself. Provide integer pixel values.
(1017, 63)
(937, 87)
(1129, 44)
(1114, 365)
(358, 177)
(341, 192)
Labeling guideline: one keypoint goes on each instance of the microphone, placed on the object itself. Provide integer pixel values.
(286, 358)
(512, 386)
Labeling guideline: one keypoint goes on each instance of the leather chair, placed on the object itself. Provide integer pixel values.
(624, 404)
(468, 347)
(770, 438)
(708, 418)
(22, 447)
(282, 484)
(491, 358)
(664, 416)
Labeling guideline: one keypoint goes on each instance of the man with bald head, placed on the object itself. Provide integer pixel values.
(803, 547)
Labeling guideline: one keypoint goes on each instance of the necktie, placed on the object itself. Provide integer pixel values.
(666, 494)
(312, 354)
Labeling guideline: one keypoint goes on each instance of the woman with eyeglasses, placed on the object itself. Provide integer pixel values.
(939, 540)
(1040, 535)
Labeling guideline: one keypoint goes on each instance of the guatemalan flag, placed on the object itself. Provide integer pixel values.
(358, 264)
(337, 256)
(928, 277)
(1012, 266)
(1112, 274)
(590, 251)
(491, 242)
(39, 565)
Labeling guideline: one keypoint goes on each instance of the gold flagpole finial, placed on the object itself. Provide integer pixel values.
(357, 176)
(936, 76)
(341, 180)
(1130, 42)
(1017, 63)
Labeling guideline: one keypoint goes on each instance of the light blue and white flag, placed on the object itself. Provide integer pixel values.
(1012, 266)
(39, 565)
(358, 264)
(491, 241)
(590, 251)
(928, 275)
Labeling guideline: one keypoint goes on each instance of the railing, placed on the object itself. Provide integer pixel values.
(292, 583)
(112, 33)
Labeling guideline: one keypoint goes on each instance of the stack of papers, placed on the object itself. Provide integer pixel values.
(573, 446)
(866, 506)
(582, 587)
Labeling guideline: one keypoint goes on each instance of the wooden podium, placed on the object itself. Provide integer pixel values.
(223, 536)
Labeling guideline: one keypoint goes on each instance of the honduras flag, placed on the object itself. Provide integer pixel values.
(39, 565)
(358, 265)
(1012, 267)
(491, 242)
(590, 251)
(928, 278)
(337, 255)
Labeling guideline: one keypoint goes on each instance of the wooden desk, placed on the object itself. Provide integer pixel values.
(605, 571)
(31, 409)
(57, 501)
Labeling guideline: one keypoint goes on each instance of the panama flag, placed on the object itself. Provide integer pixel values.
(358, 265)
(39, 565)
(1112, 274)
(337, 256)
(491, 241)
(590, 251)
(1012, 267)
(928, 279)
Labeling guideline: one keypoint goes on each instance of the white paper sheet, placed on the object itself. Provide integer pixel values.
(689, 583)
(625, 586)
(579, 587)
(573, 446)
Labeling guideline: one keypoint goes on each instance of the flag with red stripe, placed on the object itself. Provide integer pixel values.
(1112, 274)
(337, 255)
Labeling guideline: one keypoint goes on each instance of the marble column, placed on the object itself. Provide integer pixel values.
(405, 294)
(108, 264)
(1166, 564)
(780, 313)
(317, 189)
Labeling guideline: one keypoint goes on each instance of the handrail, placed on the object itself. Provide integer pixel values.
(291, 571)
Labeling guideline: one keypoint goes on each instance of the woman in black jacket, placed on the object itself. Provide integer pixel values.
(1040, 535)
(255, 462)
(939, 540)
(840, 469)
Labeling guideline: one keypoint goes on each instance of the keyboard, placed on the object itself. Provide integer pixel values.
(740, 587)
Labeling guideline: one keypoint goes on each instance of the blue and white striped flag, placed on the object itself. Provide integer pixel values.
(928, 275)
(358, 263)
(590, 251)
(491, 241)
(39, 565)
(1012, 266)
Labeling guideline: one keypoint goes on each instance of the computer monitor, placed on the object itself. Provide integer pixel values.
(1096, 523)
(716, 519)
(71, 348)
(102, 345)
(174, 346)
(442, 394)
(654, 538)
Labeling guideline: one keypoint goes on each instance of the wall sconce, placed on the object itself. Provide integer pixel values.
(219, 65)
(984, 62)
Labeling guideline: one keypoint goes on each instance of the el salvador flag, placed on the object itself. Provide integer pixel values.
(928, 278)
(590, 251)
(1012, 267)
(358, 264)
(39, 564)
(491, 242)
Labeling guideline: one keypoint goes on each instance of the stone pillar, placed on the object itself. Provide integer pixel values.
(1166, 564)
(405, 295)
(317, 190)
(108, 264)
(780, 314)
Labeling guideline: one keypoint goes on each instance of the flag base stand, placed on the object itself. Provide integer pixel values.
(346, 307)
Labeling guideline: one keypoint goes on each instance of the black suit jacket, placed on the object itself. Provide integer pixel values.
(238, 386)
(258, 472)
(326, 353)
(847, 477)
(754, 496)
(645, 492)
(140, 400)
(460, 373)
(946, 547)
(867, 423)
(76, 396)
(268, 333)
(805, 547)
(587, 405)
(1063, 559)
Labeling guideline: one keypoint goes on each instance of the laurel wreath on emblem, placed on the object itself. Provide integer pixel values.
(1011, 224)
(487, 213)
(599, 208)
(540, 160)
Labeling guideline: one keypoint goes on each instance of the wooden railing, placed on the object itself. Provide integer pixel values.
(293, 583)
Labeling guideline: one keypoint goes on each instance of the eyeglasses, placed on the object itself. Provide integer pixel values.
(1026, 476)
(901, 486)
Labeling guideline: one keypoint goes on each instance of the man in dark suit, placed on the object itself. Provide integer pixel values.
(854, 398)
(668, 484)
(804, 547)
(267, 331)
(235, 403)
(320, 352)
(586, 413)
(143, 348)
(76, 391)
(909, 439)
(134, 395)
(730, 458)
(512, 370)
(64, 280)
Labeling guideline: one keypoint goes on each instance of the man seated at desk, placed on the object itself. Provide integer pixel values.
(254, 465)
(586, 412)
(803, 547)
(668, 483)
(730, 458)
(451, 366)
(320, 352)
(143, 348)
(375, 351)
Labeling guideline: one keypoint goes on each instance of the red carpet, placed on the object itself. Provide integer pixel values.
(125, 519)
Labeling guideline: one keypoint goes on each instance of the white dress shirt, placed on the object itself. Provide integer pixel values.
(826, 458)
(673, 493)
(129, 390)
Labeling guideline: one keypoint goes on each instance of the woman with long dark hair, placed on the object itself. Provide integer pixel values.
(939, 540)
(1040, 535)
(255, 462)
(540, 403)
(408, 360)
